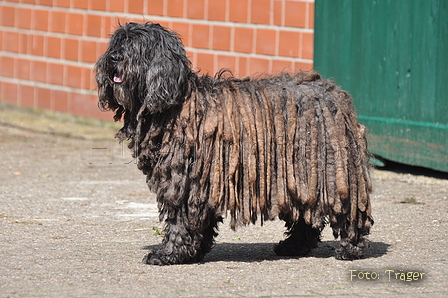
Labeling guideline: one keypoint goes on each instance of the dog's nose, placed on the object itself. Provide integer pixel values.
(115, 57)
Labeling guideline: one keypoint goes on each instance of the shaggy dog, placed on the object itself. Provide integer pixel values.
(287, 146)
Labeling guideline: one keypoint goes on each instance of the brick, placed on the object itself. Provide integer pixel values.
(36, 45)
(310, 15)
(243, 40)
(43, 98)
(1, 40)
(91, 106)
(261, 12)
(104, 115)
(53, 47)
(78, 104)
(8, 66)
(75, 24)
(303, 66)
(81, 4)
(217, 10)
(136, 6)
(183, 29)
(47, 2)
(55, 74)
(23, 44)
(10, 93)
(295, 14)
(101, 47)
(107, 29)
(238, 11)
(23, 69)
(155, 7)
(228, 62)
(88, 79)
(114, 24)
(200, 36)
(289, 42)
(27, 96)
(74, 76)
(11, 41)
(71, 49)
(196, 9)
(94, 25)
(243, 67)
(190, 56)
(118, 5)
(58, 21)
(193, 56)
(39, 71)
(281, 66)
(100, 5)
(165, 24)
(175, 8)
(206, 63)
(24, 18)
(307, 45)
(60, 101)
(279, 12)
(266, 41)
(40, 20)
(88, 51)
(8, 16)
(63, 3)
(221, 38)
(259, 66)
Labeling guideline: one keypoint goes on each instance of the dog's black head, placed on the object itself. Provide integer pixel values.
(144, 71)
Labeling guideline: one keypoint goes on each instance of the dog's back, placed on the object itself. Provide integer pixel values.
(279, 146)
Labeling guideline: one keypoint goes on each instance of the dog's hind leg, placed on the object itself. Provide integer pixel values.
(301, 239)
(352, 249)
(184, 243)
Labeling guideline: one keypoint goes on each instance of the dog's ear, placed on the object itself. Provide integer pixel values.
(106, 99)
(167, 79)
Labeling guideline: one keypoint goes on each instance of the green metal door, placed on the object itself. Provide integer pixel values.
(392, 56)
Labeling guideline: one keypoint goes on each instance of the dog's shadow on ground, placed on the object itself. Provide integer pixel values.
(257, 252)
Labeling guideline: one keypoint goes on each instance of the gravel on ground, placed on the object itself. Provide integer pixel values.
(77, 219)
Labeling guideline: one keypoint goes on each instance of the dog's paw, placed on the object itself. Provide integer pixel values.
(347, 251)
(344, 254)
(155, 259)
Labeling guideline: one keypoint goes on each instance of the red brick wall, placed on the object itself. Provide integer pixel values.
(48, 47)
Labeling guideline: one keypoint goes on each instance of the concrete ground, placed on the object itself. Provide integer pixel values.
(76, 220)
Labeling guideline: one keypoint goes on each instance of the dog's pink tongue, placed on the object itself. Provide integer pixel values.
(117, 79)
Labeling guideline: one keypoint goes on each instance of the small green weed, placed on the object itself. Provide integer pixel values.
(411, 200)
(156, 231)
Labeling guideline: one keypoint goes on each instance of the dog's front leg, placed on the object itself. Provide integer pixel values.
(184, 243)
(177, 246)
(302, 238)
